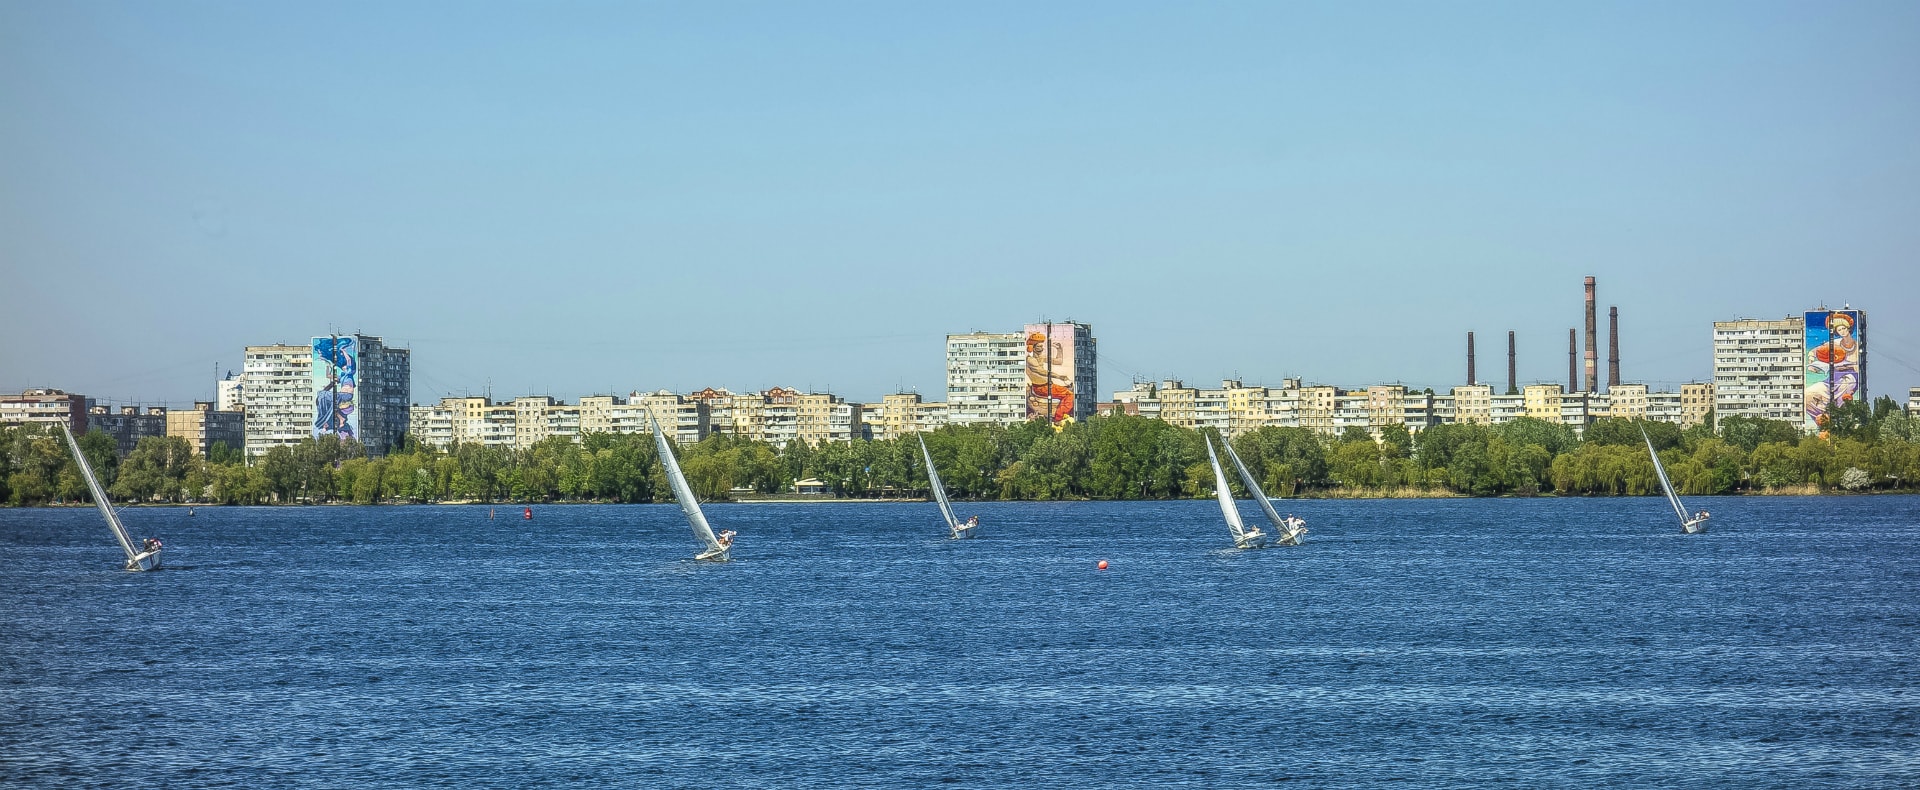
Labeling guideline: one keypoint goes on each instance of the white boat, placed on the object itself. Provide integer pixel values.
(1244, 537)
(1290, 529)
(956, 528)
(1688, 524)
(716, 549)
(144, 558)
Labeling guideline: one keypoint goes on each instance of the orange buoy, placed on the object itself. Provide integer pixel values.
(1103, 565)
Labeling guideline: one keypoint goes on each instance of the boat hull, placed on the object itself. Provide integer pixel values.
(1252, 540)
(145, 561)
(715, 555)
(962, 533)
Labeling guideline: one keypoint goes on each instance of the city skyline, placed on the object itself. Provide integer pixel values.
(614, 198)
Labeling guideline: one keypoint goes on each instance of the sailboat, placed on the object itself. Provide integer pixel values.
(1688, 525)
(147, 557)
(1244, 537)
(1290, 529)
(716, 549)
(956, 528)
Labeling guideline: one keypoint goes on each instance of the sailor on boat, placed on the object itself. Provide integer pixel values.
(973, 521)
(1697, 518)
(725, 538)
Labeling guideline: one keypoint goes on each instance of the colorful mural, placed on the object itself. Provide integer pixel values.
(1050, 372)
(1836, 344)
(336, 381)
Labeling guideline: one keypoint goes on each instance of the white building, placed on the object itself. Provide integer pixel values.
(986, 378)
(227, 393)
(1758, 369)
(276, 388)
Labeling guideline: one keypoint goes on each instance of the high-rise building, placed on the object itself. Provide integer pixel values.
(1836, 363)
(227, 394)
(986, 378)
(1062, 378)
(276, 389)
(1758, 369)
(351, 386)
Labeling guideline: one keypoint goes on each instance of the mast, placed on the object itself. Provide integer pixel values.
(99, 494)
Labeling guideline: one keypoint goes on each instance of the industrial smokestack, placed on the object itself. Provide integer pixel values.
(1513, 383)
(1573, 359)
(1469, 359)
(1593, 353)
(1613, 347)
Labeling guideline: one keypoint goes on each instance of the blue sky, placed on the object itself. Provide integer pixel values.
(596, 198)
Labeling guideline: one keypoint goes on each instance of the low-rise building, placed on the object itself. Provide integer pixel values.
(45, 407)
(128, 425)
(203, 426)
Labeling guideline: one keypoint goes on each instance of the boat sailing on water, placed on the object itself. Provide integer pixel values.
(1244, 537)
(147, 556)
(1690, 525)
(956, 528)
(717, 549)
(1291, 529)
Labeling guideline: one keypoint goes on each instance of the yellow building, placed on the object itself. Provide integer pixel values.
(1696, 402)
(202, 426)
(1542, 401)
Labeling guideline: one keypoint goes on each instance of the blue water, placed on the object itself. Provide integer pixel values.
(1427, 643)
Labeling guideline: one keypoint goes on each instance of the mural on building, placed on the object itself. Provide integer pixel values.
(1836, 345)
(1050, 372)
(336, 381)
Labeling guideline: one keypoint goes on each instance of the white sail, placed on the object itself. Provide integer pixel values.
(1225, 496)
(1253, 487)
(1679, 510)
(100, 497)
(681, 491)
(939, 491)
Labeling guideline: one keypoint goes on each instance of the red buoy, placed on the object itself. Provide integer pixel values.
(529, 514)
(1103, 565)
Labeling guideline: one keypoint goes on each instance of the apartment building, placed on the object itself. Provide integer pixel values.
(203, 425)
(360, 392)
(128, 425)
(901, 414)
(987, 378)
(276, 391)
(1473, 403)
(1696, 403)
(227, 394)
(46, 407)
(822, 418)
(1758, 368)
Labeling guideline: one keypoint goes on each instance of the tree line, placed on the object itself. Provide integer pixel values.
(1105, 457)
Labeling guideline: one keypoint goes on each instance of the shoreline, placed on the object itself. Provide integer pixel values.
(1332, 494)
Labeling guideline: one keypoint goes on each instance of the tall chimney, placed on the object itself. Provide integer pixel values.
(1593, 352)
(1513, 384)
(1469, 359)
(1573, 359)
(1613, 346)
